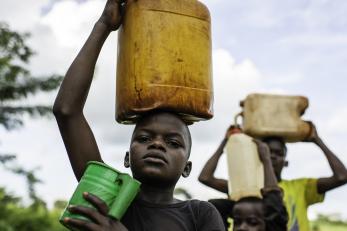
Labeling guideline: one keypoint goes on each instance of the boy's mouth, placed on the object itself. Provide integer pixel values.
(155, 157)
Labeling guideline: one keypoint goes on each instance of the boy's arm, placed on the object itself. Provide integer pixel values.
(339, 176)
(276, 213)
(270, 180)
(207, 173)
(68, 106)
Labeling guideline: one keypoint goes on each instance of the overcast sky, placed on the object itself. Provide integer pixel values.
(290, 46)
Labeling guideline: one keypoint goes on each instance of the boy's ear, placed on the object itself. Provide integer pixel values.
(126, 160)
(286, 163)
(187, 169)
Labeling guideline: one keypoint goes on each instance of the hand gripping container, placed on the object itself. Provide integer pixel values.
(164, 60)
(267, 115)
(116, 189)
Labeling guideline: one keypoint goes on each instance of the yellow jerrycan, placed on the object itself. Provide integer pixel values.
(164, 60)
(246, 171)
(275, 115)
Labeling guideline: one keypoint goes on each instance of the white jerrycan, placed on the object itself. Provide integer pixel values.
(246, 171)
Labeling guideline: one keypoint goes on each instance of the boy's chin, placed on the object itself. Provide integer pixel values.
(155, 178)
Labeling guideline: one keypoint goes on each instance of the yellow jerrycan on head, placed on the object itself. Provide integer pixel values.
(245, 170)
(164, 60)
(267, 115)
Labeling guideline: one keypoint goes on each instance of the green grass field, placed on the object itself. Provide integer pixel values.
(327, 226)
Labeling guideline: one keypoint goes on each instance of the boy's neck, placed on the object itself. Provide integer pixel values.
(157, 195)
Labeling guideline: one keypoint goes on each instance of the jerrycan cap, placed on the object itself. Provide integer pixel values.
(234, 129)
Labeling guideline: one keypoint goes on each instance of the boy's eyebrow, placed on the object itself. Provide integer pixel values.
(170, 134)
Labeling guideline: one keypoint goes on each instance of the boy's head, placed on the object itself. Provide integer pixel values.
(249, 215)
(159, 149)
(278, 151)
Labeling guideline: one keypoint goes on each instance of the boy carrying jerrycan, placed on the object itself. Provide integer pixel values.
(158, 156)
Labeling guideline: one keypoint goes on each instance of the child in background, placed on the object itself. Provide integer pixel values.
(266, 214)
(300, 193)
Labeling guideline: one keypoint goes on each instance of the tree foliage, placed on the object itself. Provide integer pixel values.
(16, 85)
(14, 216)
(16, 81)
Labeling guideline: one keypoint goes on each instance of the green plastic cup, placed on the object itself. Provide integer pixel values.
(116, 189)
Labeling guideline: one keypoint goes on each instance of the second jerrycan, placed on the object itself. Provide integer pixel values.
(164, 60)
(275, 115)
(246, 171)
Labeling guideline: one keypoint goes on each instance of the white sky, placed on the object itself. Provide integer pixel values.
(289, 46)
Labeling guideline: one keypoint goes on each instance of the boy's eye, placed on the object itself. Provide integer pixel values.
(143, 139)
(173, 143)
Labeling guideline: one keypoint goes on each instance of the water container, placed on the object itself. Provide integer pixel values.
(275, 115)
(164, 60)
(246, 171)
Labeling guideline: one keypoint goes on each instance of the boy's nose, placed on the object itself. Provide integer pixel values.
(242, 227)
(157, 144)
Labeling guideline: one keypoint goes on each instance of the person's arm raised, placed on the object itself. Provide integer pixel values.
(207, 173)
(339, 176)
(270, 181)
(68, 106)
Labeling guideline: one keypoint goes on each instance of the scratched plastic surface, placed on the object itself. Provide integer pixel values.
(164, 60)
(246, 172)
(116, 189)
(275, 115)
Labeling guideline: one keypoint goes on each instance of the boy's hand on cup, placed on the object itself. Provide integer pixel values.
(263, 151)
(112, 14)
(100, 221)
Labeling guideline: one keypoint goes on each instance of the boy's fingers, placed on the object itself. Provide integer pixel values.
(99, 204)
(87, 212)
(81, 224)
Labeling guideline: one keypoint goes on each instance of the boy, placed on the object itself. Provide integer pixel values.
(266, 214)
(300, 193)
(158, 155)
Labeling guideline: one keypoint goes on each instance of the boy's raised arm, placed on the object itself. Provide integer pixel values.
(270, 181)
(68, 106)
(339, 176)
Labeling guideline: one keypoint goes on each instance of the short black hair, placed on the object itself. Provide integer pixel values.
(276, 138)
(249, 199)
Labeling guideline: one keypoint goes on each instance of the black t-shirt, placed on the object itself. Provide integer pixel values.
(182, 216)
(276, 216)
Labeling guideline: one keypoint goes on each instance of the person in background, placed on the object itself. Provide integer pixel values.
(250, 213)
(158, 155)
(300, 193)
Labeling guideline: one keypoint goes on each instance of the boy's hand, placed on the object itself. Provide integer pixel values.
(263, 151)
(313, 137)
(100, 221)
(231, 130)
(112, 15)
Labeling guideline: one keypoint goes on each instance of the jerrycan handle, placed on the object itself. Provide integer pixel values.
(129, 188)
(237, 116)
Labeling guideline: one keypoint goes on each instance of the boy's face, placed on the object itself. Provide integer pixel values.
(159, 150)
(278, 156)
(248, 216)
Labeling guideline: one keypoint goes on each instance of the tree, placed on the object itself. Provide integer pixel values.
(16, 217)
(16, 81)
(17, 84)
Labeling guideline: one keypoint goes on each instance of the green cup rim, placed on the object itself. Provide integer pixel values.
(103, 165)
